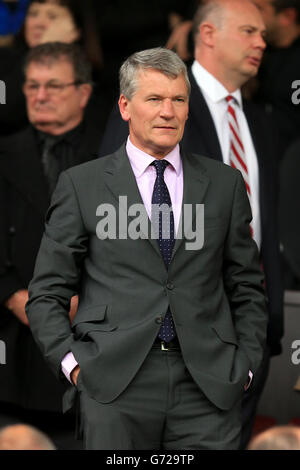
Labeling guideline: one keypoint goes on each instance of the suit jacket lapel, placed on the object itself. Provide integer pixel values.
(256, 133)
(262, 150)
(22, 166)
(195, 184)
(121, 181)
(201, 118)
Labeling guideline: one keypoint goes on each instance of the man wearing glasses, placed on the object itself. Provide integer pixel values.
(57, 88)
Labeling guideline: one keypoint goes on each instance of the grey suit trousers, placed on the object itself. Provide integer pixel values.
(162, 408)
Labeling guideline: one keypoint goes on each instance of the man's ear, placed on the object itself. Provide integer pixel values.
(86, 91)
(124, 107)
(206, 33)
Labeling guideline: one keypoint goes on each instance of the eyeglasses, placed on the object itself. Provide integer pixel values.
(52, 88)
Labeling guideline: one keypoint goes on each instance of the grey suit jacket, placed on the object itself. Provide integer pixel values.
(215, 293)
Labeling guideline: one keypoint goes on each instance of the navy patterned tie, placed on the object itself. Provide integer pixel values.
(163, 222)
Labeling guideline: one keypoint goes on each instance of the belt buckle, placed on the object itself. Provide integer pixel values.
(162, 346)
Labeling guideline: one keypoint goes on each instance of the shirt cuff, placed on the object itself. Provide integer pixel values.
(250, 377)
(68, 364)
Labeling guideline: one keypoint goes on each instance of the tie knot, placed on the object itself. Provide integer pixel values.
(160, 166)
(229, 98)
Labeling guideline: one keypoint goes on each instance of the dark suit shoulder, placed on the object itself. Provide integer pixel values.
(9, 142)
(18, 152)
(93, 168)
(210, 166)
(256, 111)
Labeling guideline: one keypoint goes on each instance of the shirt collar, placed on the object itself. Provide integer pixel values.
(140, 160)
(211, 87)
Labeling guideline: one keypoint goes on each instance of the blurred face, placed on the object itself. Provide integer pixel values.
(54, 104)
(270, 18)
(40, 17)
(267, 10)
(157, 112)
(239, 44)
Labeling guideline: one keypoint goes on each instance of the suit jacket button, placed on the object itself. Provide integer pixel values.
(170, 285)
(159, 320)
(12, 230)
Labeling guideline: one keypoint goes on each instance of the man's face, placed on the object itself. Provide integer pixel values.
(239, 43)
(51, 106)
(41, 16)
(157, 112)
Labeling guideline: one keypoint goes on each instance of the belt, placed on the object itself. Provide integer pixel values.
(172, 345)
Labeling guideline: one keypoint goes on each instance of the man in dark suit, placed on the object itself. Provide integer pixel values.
(220, 69)
(57, 89)
(171, 320)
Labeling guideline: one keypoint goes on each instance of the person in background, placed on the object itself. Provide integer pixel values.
(24, 437)
(275, 84)
(12, 14)
(64, 21)
(57, 89)
(277, 90)
(68, 21)
(289, 223)
(181, 37)
(277, 438)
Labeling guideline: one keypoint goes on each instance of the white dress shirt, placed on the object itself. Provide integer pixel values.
(215, 96)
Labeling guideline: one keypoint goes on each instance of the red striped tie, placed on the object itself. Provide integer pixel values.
(237, 150)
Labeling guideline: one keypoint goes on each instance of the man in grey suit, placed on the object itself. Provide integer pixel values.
(171, 321)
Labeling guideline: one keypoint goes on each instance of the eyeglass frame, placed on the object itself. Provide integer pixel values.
(59, 87)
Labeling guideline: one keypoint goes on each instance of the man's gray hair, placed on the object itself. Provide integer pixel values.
(159, 58)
